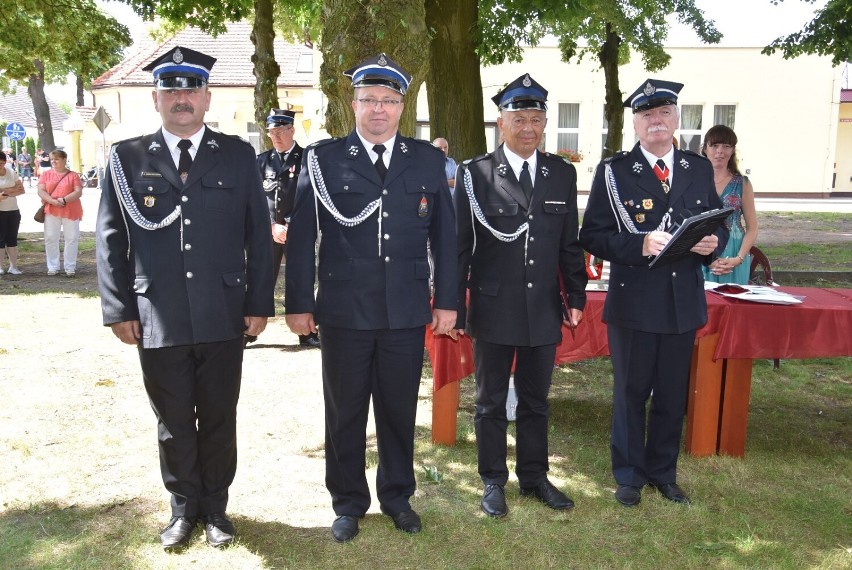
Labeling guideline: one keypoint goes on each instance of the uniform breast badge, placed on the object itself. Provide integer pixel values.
(640, 218)
(423, 209)
(648, 204)
(149, 201)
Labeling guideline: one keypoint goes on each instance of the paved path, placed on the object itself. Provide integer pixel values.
(29, 203)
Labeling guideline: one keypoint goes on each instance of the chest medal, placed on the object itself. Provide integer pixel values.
(149, 201)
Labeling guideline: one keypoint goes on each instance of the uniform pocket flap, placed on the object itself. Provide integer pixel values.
(338, 270)
(218, 180)
(488, 287)
(420, 187)
(555, 207)
(235, 279)
(502, 209)
(153, 187)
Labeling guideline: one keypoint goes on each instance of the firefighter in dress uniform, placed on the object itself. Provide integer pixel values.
(279, 169)
(377, 198)
(516, 212)
(183, 250)
(651, 313)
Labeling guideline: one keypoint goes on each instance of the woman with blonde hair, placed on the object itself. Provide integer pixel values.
(735, 190)
(60, 190)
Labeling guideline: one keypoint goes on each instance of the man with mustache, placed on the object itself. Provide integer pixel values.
(183, 269)
(651, 314)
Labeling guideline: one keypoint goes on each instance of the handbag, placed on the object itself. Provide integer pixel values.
(39, 215)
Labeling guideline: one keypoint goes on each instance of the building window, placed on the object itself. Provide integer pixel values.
(568, 127)
(725, 115)
(254, 137)
(690, 127)
(305, 63)
(422, 131)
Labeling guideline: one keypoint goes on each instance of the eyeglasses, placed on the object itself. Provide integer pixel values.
(389, 103)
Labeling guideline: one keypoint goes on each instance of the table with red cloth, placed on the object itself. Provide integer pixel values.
(736, 332)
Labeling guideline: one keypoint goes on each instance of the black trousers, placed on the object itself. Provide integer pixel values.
(193, 391)
(533, 371)
(645, 363)
(357, 365)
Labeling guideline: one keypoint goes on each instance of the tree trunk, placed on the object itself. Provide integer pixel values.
(455, 85)
(354, 30)
(81, 100)
(614, 109)
(266, 69)
(35, 88)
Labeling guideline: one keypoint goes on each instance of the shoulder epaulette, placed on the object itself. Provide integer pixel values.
(617, 156)
(479, 158)
(323, 142)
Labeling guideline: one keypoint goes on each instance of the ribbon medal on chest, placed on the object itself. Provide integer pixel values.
(423, 208)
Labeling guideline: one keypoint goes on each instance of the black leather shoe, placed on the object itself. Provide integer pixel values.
(548, 494)
(409, 521)
(177, 533)
(628, 495)
(310, 341)
(219, 529)
(344, 528)
(494, 501)
(672, 492)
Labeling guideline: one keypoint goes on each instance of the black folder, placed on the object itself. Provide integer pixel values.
(690, 232)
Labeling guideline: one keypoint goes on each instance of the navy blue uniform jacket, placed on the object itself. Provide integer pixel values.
(193, 281)
(514, 300)
(668, 299)
(373, 277)
(279, 182)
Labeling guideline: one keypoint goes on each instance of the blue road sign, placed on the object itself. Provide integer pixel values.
(16, 131)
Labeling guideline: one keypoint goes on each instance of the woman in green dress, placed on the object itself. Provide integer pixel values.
(735, 190)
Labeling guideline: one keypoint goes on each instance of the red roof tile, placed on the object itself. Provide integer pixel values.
(232, 50)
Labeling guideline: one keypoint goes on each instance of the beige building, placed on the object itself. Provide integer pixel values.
(795, 135)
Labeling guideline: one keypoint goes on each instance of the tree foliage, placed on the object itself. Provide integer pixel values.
(44, 41)
(605, 29)
(210, 16)
(829, 34)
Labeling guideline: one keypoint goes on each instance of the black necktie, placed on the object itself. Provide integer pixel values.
(526, 181)
(185, 162)
(380, 163)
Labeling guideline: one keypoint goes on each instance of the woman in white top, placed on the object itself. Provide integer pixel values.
(10, 215)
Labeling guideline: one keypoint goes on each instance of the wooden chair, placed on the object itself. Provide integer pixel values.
(760, 272)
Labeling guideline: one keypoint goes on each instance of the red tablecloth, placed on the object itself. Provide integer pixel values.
(820, 327)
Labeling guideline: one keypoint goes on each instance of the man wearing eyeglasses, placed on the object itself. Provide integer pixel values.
(516, 211)
(377, 198)
(279, 169)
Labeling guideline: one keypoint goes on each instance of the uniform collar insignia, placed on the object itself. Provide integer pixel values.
(154, 147)
(545, 172)
(403, 147)
(353, 150)
(213, 144)
(501, 170)
(637, 167)
(684, 163)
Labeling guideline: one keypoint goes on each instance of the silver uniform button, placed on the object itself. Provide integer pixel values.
(189, 274)
(529, 285)
(220, 183)
(532, 238)
(187, 221)
(385, 192)
(386, 236)
(385, 214)
(530, 216)
(674, 273)
(188, 246)
(184, 198)
(500, 210)
(532, 261)
(387, 260)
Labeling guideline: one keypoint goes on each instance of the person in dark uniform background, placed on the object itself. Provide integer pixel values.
(651, 313)
(516, 212)
(279, 169)
(373, 298)
(183, 250)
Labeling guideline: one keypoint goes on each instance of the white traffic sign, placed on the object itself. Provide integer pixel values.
(16, 131)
